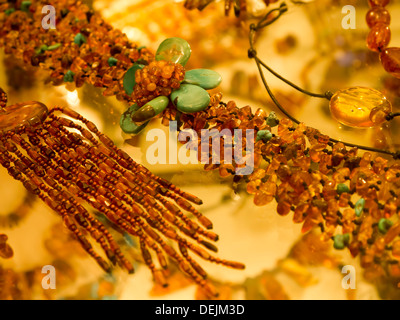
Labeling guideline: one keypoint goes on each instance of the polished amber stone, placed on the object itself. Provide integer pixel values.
(377, 15)
(353, 106)
(378, 37)
(28, 113)
(390, 59)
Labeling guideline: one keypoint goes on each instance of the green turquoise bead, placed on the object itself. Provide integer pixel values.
(41, 49)
(272, 119)
(9, 11)
(126, 123)
(190, 98)
(341, 188)
(205, 78)
(54, 46)
(150, 109)
(264, 135)
(129, 78)
(359, 207)
(340, 241)
(384, 225)
(79, 39)
(69, 76)
(25, 5)
(175, 49)
(112, 61)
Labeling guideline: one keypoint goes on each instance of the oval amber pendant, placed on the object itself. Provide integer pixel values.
(353, 106)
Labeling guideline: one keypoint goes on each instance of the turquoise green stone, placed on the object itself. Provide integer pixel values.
(190, 98)
(79, 39)
(359, 207)
(384, 225)
(25, 5)
(41, 49)
(340, 241)
(126, 123)
(264, 135)
(205, 78)
(129, 78)
(272, 119)
(341, 188)
(175, 49)
(9, 11)
(69, 76)
(112, 61)
(150, 109)
(54, 46)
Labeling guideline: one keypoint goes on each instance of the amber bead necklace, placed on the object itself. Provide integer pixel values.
(354, 200)
(374, 111)
(62, 167)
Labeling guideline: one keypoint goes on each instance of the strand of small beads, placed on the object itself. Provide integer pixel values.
(378, 19)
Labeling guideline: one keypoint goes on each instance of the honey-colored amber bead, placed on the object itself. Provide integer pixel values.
(353, 106)
(374, 3)
(390, 59)
(6, 252)
(378, 114)
(378, 37)
(377, 15)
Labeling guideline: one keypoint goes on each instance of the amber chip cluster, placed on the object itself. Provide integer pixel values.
(159, 78)
(353, 199)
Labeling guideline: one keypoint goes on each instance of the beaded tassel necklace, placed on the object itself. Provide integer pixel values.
(62, 167)
(352, 199)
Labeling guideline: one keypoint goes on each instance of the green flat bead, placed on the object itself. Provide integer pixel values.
(264, 135)
(359, 207)
(150, 109)
(175, 49)
(129, 78)
(126, 123)
(272, 119)
(341, 188)
(112, 61)
(79, 39)
(205, 78)
(25, 5)
(41, 49)
(54, 46)
(9, 11)
(384, 225)
(69, 76)
(340, 241)
(190, 98)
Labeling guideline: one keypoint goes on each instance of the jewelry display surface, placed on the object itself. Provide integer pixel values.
(280, 262)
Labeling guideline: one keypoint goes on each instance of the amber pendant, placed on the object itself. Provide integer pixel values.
(358, 107)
